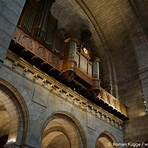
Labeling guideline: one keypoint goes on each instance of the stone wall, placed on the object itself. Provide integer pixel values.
(136, 95)
(42, 104)
(127, 44)
(9, 14)
(127, 47)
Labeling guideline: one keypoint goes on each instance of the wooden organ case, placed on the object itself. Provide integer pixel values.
(79, 67)
(35, 40)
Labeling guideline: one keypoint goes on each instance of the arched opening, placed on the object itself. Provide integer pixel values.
(8, 119)
(105, 140)
(13, 119)
(61, 132)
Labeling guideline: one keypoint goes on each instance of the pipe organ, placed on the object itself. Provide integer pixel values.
(77, 59)
(38, 21)
(33, 41)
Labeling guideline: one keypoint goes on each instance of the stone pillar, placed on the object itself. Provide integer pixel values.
(10, 12)
(138, 95)
(140, 45)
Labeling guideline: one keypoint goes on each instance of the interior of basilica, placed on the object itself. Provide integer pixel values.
(73, 73)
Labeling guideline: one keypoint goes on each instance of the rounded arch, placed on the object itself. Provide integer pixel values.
(63, 124)
(105, 140)
(15, 114)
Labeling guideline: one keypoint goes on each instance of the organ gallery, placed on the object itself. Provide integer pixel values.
(73, 74)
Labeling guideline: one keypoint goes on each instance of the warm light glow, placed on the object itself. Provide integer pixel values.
(85, 50)
(142, 114)
(12, 140)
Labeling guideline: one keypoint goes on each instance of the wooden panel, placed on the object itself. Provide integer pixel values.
(84, 76)
(77, 59)
(83, 64)
(90, 69)
(37, 49)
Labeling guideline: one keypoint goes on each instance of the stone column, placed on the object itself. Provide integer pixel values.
(140, 45)
(138, 95)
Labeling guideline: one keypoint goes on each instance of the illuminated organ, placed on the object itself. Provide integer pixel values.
(36, 39)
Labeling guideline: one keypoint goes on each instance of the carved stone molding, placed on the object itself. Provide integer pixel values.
(32, 73)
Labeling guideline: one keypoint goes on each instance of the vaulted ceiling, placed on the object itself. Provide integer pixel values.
(110, 22)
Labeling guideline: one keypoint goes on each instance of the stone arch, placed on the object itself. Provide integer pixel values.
(105, 140)
(14, 115)
(63, 127)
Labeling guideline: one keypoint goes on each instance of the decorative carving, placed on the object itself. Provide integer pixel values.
(40, 51)
(65, 93)
(37, 49)
(112, 101)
